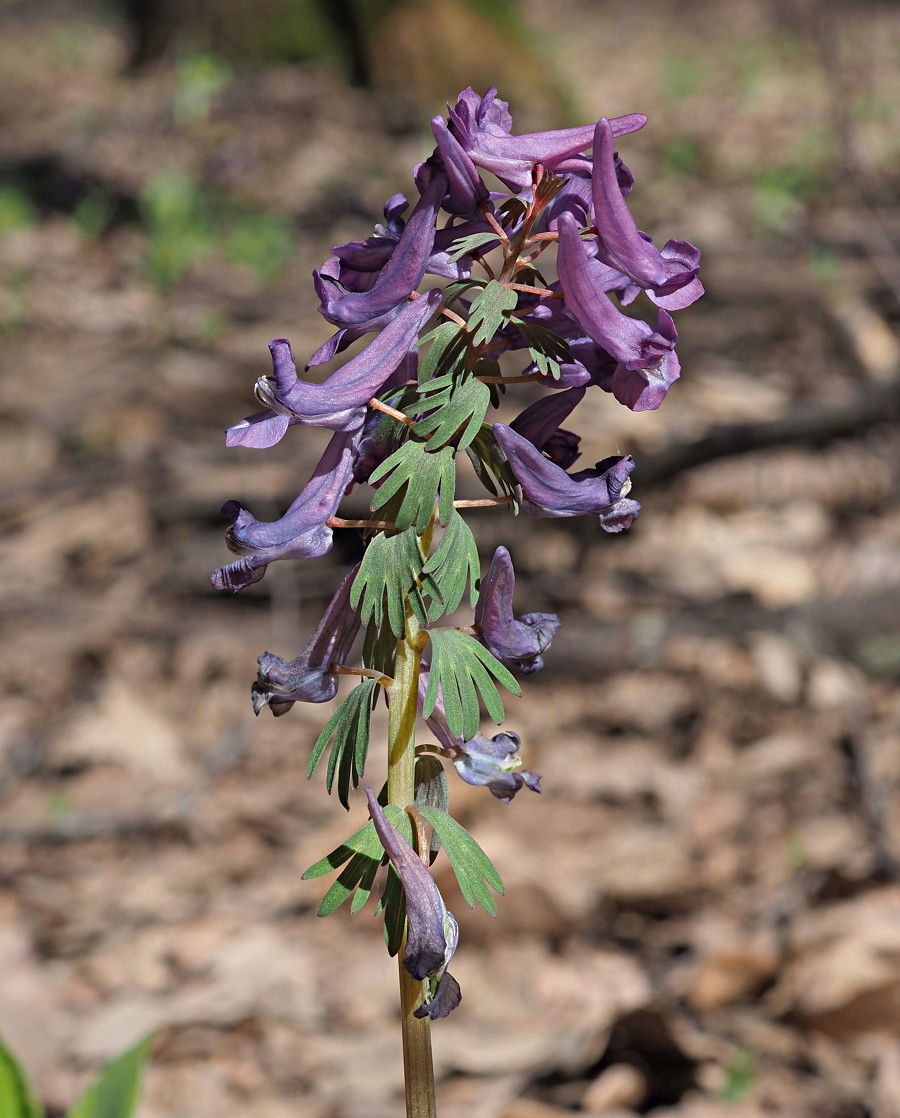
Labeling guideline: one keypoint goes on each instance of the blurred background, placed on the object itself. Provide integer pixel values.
(702, 915)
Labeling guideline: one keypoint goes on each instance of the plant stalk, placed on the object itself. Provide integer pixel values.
(418, 1071)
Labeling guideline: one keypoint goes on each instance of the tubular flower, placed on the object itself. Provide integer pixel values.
(338, 402)
(518, 644)
(431, 931)
(549, 491)
(466, 191)
(669, 275)
(540, 424)
(483, 127)
(308, 678)
(635, 345)
(492, 763)
(399, 277)
(302, 533)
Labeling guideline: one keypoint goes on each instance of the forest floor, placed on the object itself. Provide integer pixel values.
(702, 910)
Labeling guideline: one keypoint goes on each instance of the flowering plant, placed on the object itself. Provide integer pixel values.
(415, 396)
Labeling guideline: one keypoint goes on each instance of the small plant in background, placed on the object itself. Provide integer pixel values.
(491, 319)
(114, 1093)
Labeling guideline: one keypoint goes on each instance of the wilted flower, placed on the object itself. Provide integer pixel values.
(550, 491)
(302, 533)
(517, 643)
(308, 678)
(431, 932)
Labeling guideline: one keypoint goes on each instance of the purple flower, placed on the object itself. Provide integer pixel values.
(540, 424)
(466, 191)
(669, 275)
(550, 491)
(492, 763)
(431, 931)
(483, 127)
(399, 277)
(338, 402)
(302, 533)
(308, 678)
(635, 345)
(516, 643)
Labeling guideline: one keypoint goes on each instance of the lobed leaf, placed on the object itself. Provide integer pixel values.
(473, 868)
(450, 567)
(389, 576)
(416, 478)
(459, 411)
(490, 310)
(446, 353)
(547, 350)
(349, 727)
(466, 245)
(461, 671)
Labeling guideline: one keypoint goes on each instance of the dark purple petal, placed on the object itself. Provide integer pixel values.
(444, 1000)
(550, 491)
(621, 245)
(307, 678)
(539, 423)
(482, 125)
(426, 914)
(339, 402)
(466, 191)
(493, 763)
(518, 644)
(399, 277)
(630, 341)
(302, 533)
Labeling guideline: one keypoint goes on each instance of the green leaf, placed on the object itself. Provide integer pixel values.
(432, 790)
(379, 650)
(389, 575)
(548, 351)
(458, 412)
(453, 563)
(116, 1090)
(461, 668)
(489, 311)
(446, 353)
(16, 1099)
(349, 726)
(489, 463)
(468, 244)
(417, 478)
(473, 868)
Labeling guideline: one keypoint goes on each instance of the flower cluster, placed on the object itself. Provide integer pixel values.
(453, 306)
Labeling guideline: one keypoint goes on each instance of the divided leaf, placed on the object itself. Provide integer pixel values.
(446, 353)
(473, 868)
(453, 563)
(548, 351)
(489, 463)
(417, 478)
(490, 310)
(461, 669)
(349, 726)
(389, 573)
(457, 408)
(469, 244)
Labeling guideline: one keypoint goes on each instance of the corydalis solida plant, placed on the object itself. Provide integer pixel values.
(437, 299)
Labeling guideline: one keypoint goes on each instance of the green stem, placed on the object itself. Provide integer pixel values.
(418, 1071)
